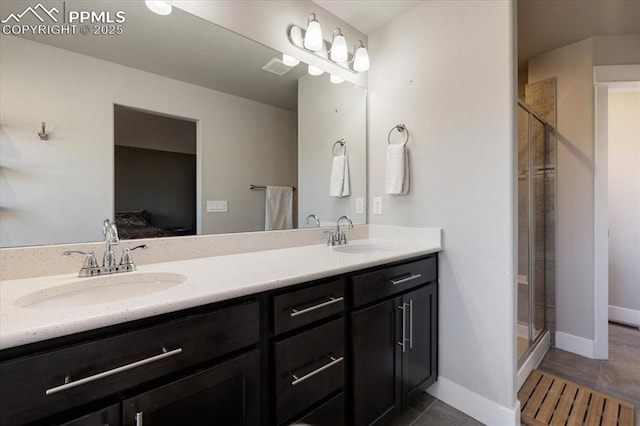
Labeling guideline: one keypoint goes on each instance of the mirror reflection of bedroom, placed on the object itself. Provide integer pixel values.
(155, 174)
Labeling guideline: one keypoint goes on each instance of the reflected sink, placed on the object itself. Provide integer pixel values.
(109, 288)
(362, 248)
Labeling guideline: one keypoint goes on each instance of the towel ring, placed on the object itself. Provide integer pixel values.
(400, 128)
(342, 143)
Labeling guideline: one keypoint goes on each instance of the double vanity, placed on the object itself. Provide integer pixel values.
(316, 334)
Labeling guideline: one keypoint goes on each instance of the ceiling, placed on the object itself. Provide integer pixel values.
(367, 15)
(545, 25)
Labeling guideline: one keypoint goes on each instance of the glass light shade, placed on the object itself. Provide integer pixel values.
(315, 70)
(335, 79)
(289, 60)
(313, 38)
(361, 59)
(159, 7)
(339, 51)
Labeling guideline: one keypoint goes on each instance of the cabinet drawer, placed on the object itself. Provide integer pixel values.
(309, 366)
(54, 381)
(301, 307)
(381, 283)
(331, 413)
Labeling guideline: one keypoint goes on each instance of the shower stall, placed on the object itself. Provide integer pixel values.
(536, 233)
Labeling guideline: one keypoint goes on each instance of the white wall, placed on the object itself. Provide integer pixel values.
(624, 200)
(326, 113)
(447, 70)
(573, 67)
(75, 95)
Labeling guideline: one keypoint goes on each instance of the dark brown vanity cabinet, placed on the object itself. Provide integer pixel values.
(393, 340)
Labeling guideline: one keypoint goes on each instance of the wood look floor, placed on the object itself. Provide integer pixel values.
(618, 376)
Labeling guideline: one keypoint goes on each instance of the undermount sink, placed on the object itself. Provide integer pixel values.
(361, 248)
(91, 291)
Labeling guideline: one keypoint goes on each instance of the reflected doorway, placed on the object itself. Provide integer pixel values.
(154, 174)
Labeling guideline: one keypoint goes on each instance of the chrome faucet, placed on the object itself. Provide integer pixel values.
(340, 236)
(91, 268)
(314, 217)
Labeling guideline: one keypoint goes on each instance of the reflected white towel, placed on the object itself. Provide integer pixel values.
(339, 185)
(397, 182)
(278, 208)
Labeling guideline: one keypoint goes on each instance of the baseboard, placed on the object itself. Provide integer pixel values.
(477, 406)
(624, 315)
(575, 344)
(533, 360)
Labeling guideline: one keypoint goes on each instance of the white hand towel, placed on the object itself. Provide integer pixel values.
(278, 208)
(397, 182)
(339, 185)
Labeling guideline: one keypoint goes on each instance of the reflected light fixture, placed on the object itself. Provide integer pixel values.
(315, 70)
(313, 37)
(339, 52)
(159, 7)
(335, 79)
(289, 60)
(360, 57)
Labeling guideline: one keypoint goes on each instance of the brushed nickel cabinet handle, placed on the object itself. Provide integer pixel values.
(397, 281)
(139, 418)
(411, 324)
(404, 328)
(333, 362)
(113, 371)
(295, 312)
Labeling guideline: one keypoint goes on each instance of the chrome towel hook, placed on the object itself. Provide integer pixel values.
(400, 128)
(43, 134)
(342, 143)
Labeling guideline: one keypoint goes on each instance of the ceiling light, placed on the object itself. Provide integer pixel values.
(159, 7)
(360, 57)
(339, 50)
(313, 38)
(335, 79)
(315, 70)
(289, 60)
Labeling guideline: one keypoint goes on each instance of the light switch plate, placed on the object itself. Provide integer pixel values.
(359, 205)
(377, 205)
(217, 206)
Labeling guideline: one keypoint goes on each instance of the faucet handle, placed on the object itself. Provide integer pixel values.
(333, 238)
(126, 254)
(89, 258)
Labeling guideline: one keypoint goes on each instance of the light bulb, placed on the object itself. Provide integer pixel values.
(313, 38)
(361, 59)
(289, 61)
(315, 70)
(339, 51)
(159, 7)
(335, 79)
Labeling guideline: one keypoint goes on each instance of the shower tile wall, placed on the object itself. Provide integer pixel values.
(542, 97)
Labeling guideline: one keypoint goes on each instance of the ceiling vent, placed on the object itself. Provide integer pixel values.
(277, 67)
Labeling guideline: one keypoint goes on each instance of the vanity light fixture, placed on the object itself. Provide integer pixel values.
(289, 60)
(313, 39)
(335, 79)
(159, 7)
(360, 57)
(339, 52)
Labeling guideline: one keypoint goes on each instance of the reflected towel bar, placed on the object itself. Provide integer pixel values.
(262, 188)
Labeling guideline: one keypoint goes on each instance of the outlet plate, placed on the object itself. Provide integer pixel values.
(360, 205)
(377, 205)
(217, 206)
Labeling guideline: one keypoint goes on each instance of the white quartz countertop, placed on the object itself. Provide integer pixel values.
(210, 279)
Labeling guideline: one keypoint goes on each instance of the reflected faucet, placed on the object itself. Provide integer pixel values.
(314, 217)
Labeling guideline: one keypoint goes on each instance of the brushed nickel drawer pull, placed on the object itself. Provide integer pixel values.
(113, 371)
(397, 281)
(333, 362)
(139, 418)
(331, 301)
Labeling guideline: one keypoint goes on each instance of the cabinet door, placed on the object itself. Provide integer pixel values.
(376, 361)
(227, 394)
(109, 416)
(419, 358)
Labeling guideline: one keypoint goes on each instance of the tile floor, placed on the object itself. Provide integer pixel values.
(618, 376)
